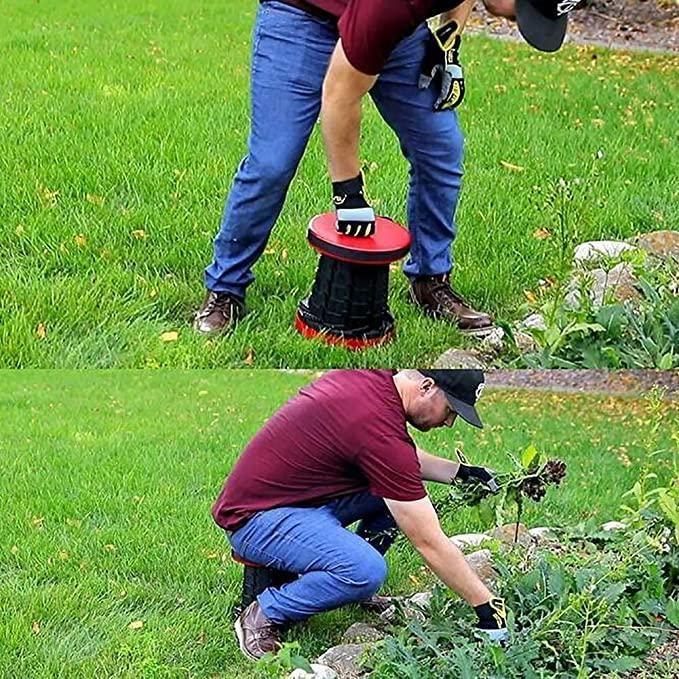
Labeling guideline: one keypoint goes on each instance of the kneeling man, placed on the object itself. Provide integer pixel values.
(339, 453)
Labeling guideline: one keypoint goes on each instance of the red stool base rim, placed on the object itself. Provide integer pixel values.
(244, 562)
(338, 339)
(389, 243)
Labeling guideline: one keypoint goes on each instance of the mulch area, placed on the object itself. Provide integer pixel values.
(622, 382)
(628, 24)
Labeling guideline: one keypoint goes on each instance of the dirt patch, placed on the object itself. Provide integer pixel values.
(629, 24)
(589, 381)
(662, 662)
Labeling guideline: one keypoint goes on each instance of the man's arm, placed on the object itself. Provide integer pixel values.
(420, 524)
(445, 471)
(437, 468)
(343, 91)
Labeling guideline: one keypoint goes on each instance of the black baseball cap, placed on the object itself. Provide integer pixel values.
(542, 23)
(462, 389)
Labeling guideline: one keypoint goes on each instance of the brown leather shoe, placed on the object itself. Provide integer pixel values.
(437, 299)
(257, 635)
(220, 312)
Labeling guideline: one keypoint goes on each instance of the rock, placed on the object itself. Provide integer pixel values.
(362, 632)
(542, 534)
(465, 540)
(599, 283)
(481, 562)
(613, 525)
(344, 660)
(623, 281)
(594, 250)
(621, 273)
(593, 282)
(421, 599)
(534, 321)
(506, 535)
(525, 342)
(491, 338)
(659, 243)
(319, 672)
(416, 606)
(459, 358)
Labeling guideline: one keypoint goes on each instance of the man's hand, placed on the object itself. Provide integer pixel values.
(442, 64)
(469, 474)
(493, 620)
(355, 217)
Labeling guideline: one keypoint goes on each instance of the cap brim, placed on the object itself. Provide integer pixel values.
(541, 32)
(465, 411)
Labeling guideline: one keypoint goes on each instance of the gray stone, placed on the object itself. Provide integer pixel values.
(510, 537)
(542, 534)
(465, 540)
(525, 342)
(660, 243)
(319, 672)
(598, 283)
(623, 282)
(534, 322)
(481, 562)
(344, 660)
(459, 358)
(613, 525)
(422, 599)
(591, 251)
(490, 338)
(362, 632)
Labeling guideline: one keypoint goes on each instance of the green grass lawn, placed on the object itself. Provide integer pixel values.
(120, 130)
(107, 483)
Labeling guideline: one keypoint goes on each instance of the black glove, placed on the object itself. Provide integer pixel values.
(442, 62)
(355, 217)
(466, 473)
(493, 620)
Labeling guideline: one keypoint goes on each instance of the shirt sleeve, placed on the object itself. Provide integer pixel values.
(371, 29)
(393, 470)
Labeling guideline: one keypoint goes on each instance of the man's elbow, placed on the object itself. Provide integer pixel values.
(427, 543)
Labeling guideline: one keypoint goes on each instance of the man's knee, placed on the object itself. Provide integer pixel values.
(274, 171)
(366, 575)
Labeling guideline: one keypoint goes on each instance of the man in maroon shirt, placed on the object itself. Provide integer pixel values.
(296, 44)
(340, 453)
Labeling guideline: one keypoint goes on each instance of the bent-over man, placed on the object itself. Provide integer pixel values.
(340, 453)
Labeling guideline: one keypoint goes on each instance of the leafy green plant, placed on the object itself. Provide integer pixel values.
(285, 661)
(642, 332)
(529, 478)
(597, 605)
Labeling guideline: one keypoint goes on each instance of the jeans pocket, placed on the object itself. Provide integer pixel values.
(291, 48)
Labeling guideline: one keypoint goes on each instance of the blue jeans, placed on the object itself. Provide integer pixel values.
(290, 55)
(336, 566)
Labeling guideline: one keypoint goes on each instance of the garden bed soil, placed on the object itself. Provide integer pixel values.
(634, 24)
(632, 382)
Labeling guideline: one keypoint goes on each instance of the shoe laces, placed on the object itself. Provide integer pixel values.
(220, 302)
(442, 290)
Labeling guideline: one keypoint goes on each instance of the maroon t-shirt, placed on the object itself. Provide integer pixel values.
(344, 433)
(371, 29)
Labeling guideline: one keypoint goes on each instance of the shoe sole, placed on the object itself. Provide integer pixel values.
(241, 640)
